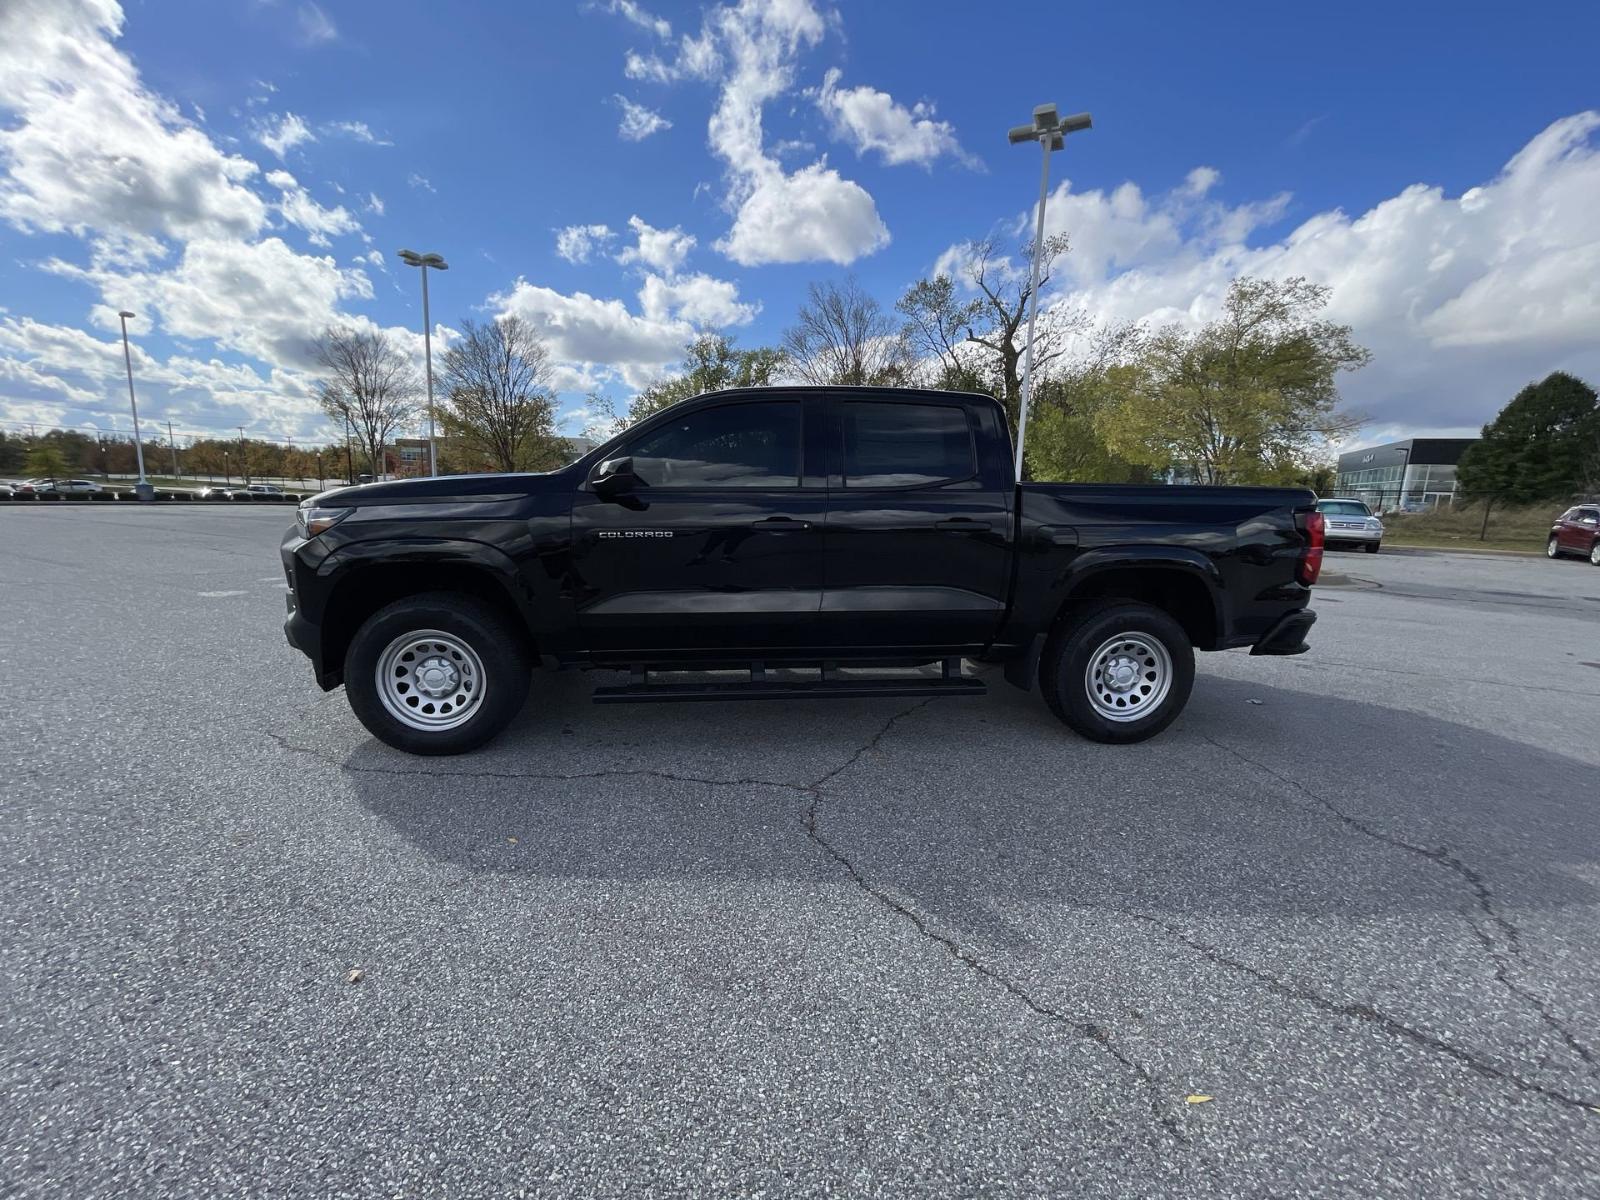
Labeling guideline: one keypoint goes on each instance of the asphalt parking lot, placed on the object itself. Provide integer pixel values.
(845, 948)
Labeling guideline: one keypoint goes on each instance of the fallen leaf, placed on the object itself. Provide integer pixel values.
(1255, 701)
(512, 840)
(1198, 1099)
(356, 975)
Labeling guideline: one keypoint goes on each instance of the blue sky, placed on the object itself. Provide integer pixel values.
(240, 173)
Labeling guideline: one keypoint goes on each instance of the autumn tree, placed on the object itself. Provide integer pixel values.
(368, 381)
(1250, 397)
(711, 362)
(842, 335)
(499, 402)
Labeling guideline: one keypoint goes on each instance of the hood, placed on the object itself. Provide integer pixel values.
(438, 488)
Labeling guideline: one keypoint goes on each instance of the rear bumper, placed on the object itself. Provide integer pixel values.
(1287, 635)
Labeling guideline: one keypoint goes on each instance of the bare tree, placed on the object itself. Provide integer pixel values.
(842, 335)
(499, 400)
(994, 320)
(369, 382)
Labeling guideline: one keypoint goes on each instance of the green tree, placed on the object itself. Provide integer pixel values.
(1249, 398)
(710, 363)
(500, 404)
(1542, 445)
(45, 460)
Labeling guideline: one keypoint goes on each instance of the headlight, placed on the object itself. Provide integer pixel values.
(1374, 523)
(313, 521)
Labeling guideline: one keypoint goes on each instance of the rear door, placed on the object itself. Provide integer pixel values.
(721, 546)
(917, 550)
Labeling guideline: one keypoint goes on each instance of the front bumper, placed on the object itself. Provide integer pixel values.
(1288, 634)
(1355, 535)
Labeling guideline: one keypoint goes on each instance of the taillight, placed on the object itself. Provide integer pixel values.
(1315, 526)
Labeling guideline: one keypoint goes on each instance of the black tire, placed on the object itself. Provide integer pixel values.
(1080, 636)
(1594, 553)
(1552, 548)
(502, 649)
(1372, 547)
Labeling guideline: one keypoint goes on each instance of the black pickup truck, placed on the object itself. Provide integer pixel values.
(815, 541)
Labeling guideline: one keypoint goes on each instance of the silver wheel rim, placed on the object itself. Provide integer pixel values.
(1594, 554)
(1550, 548)
(430, 680)
(1128, 676)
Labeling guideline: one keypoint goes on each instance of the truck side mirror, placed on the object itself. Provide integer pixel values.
(614, 477)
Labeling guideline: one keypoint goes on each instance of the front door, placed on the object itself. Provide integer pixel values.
(720, 545)
(918, 548)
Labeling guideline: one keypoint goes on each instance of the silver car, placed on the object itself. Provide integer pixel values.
(1351, 523)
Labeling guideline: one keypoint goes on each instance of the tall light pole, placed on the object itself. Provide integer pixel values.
(412, 259)
(1050, 131)
(142, 489)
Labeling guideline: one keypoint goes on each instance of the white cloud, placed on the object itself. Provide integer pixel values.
(871, 120)
(260, 298)
(812, 214)
(1462, 299)
(420, 182)
(88, 148)
(576, 242)
(629, 10)
(663, 249)
(698, 299)
(288, 132)
(358, 130)
(298, 208)
(315, 27)
(638, 122)
(375, 204)
(591, 336)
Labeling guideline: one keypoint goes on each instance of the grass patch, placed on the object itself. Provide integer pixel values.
(1509, 528)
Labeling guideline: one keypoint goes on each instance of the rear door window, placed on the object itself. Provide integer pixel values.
(891, 445)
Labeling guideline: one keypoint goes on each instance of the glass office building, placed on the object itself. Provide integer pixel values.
(1416, 474)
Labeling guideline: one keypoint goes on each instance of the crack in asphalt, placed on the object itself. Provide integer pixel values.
(1098, 1034)
(813, 793)
(1367, 1013)
(1501, 960)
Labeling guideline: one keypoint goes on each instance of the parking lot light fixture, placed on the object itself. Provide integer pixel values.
(412, 259)
(1050, 130)
(143, 486)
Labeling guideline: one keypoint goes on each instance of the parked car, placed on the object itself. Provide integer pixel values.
(1351, 523)
(63, 487)
(228, 491)
(7, 490)
(1576, 531)
(832, 533)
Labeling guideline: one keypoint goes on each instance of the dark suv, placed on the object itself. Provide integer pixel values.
(1576, 531)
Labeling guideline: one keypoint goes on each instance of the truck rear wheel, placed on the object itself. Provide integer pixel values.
(438, 673)
(1117, 671)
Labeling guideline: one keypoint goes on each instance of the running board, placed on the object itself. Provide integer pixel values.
(760, 686)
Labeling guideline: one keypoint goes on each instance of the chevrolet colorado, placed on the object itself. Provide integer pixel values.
(818, 541)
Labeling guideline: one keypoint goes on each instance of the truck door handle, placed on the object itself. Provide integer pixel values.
(964, 525)
(780, 525)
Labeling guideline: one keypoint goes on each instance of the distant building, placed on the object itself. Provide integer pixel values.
(1410, 474)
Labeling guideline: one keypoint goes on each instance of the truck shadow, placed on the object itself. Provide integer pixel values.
(977, 811)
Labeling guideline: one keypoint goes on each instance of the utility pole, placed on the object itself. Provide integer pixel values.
(349, 458)
(173, 442)
(244, 458)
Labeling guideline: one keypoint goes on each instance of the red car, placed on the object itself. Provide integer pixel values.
(1576, 531)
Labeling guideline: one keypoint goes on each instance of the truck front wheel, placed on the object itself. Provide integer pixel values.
(1117, 671)
(438, 673)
